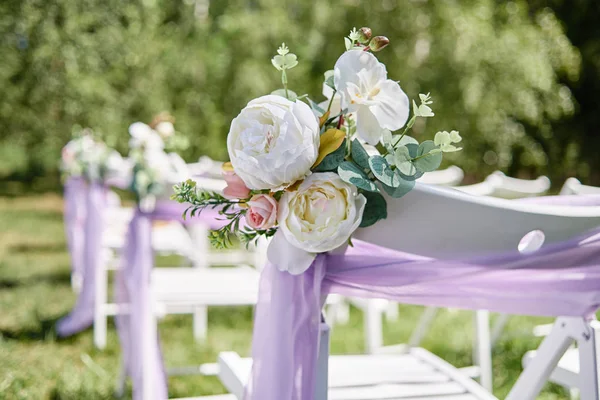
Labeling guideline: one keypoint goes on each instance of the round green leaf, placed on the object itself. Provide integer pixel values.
(402, 188)
(427, 161)
(360, 155)
(351, 173)
(383, 172)
(375, 209)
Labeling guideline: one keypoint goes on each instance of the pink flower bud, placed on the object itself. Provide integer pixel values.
(236, 188)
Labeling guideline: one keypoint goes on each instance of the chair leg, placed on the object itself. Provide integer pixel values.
(373, 327)
(589, 350)
(482, 352)
(423, 326)
(537, 372)
(498, 327)
(200, 323)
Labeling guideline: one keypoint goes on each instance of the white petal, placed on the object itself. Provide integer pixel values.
(139, 130)
(393, 106)
(367, 126)
(350, 64)
(287, 257)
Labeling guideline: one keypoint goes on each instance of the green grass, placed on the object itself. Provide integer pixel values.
(35, 291)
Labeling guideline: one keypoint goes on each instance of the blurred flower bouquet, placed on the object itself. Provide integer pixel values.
(310, 174)
(86, 156)
(153, 167)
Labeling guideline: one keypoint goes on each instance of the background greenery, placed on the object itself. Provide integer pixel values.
(519, 79)
(35, 290)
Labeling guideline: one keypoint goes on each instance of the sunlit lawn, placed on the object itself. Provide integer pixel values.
(35, 291)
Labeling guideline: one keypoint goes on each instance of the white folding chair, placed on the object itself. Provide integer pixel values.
(457, 224)
(567, 372)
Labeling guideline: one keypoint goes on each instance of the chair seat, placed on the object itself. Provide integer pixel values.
(205, 286)
(416, 374)
(567, 371)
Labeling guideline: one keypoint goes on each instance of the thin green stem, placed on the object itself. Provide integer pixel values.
(284, 81)
(331, 101)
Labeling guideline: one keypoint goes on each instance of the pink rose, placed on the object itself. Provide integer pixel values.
(236, 188)
(263, 212)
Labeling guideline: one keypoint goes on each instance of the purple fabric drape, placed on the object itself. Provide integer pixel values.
(561, 279)
(82, 315)
(137, 332)
(74, 215)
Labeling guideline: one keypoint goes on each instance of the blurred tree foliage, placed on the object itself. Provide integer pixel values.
(498, 71)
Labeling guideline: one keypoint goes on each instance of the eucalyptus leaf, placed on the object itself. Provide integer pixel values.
(383, 172)
(329, 79)
(401, 189)
(332, 160)
(360, 155)
(313, 105)
(375, 209)
(403, 161)
(351, 173)
(427, 161)
(281, 92)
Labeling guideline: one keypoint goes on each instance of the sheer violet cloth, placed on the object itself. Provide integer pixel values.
(74, 214)
(137, 334)
(560, 279)
(87, 250)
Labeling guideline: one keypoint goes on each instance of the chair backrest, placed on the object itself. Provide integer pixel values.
(499, 185)
(450, 176)
(573, 186)
(442, 222)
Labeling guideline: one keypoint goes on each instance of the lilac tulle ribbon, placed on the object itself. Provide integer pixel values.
(94, 201)
(137, 332)
(560, 279)
(74, 216)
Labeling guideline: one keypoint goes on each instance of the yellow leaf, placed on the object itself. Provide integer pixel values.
(331, 140)
(227, 167)
(294, 186)
(323, 118)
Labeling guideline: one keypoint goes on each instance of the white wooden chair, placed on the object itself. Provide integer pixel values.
(457, 224)
(451, 176)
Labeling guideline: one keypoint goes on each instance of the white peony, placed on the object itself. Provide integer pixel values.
(379, 102)
(320, 216)
(273, 142)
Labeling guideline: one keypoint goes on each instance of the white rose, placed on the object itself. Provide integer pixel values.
(320, 216)
(273, 142)
(379, 102)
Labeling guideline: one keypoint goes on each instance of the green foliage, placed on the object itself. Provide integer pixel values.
(332, 160)
(497, 69)
(375, 209)
(352, 173)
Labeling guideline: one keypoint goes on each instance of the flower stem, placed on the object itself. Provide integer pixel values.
(284, 81)
(331, 100)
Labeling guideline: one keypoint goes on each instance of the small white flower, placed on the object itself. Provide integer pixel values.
(319, 216)
(165, 129)
(144, 136)
(379, 102)
(273, 142)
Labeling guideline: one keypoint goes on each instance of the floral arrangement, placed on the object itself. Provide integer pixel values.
(308, 174)
(153, 167)
(89, 157)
